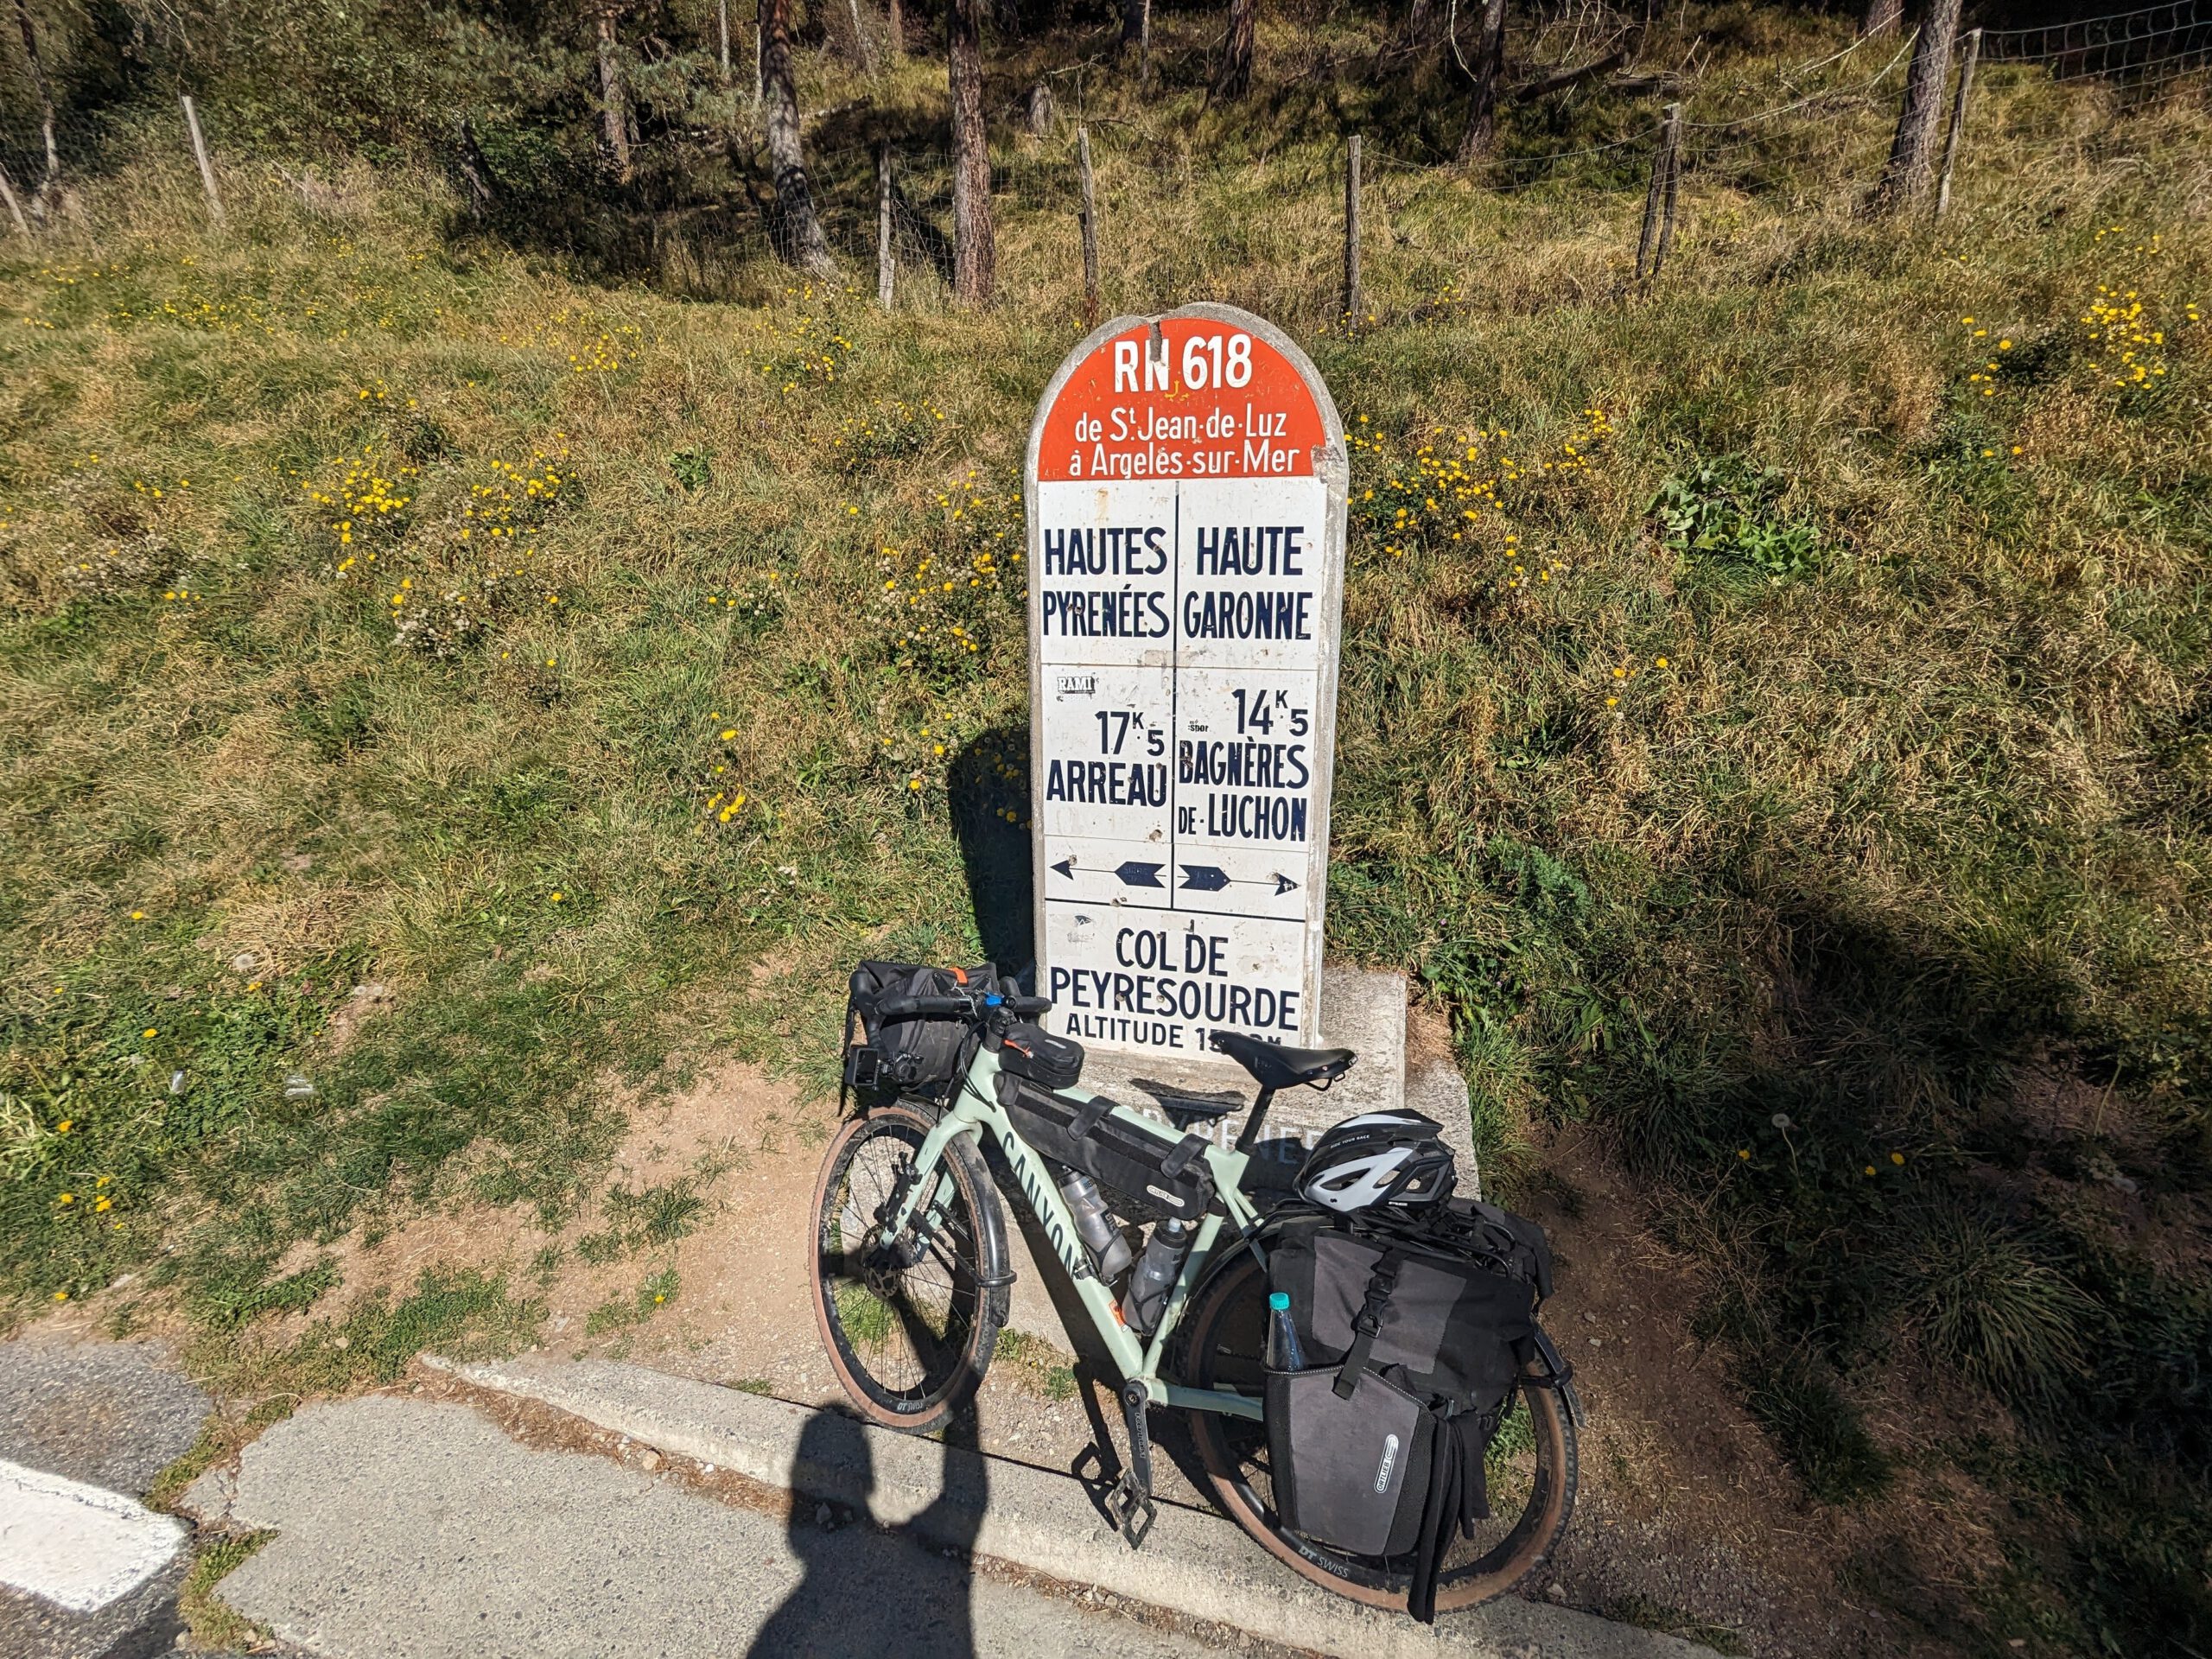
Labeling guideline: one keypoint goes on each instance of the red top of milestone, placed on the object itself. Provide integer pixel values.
(1195, 414)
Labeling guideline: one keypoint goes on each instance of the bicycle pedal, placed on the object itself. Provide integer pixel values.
(1132, 1509)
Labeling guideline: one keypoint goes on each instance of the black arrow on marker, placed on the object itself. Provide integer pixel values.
(1066, 866)
(1208, 877)
(1134, 875)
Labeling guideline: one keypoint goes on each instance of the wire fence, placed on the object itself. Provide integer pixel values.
(2124, 43)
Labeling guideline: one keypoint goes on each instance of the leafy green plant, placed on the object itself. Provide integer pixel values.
(692, 469)
(1729, 511)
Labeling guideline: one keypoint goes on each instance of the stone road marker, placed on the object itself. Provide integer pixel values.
(1185, 489)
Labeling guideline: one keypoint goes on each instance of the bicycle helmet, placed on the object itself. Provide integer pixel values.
(1387, 1156)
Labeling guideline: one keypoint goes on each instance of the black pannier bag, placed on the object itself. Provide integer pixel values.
(1415, 1329)
(1151, 1179)
(918, 1054)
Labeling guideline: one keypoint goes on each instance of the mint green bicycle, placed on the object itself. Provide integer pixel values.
(911, 1286)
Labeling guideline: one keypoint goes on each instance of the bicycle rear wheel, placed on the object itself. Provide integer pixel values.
(1530, 1469)
(909, 1321)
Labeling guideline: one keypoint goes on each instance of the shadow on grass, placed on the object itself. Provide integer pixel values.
(988, 789)
(1900, 1151)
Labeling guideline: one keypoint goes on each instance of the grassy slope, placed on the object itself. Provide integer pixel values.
(1898, 862)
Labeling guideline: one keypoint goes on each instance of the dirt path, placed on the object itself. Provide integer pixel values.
(694, 1262)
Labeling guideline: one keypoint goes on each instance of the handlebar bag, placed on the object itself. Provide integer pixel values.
(1150, 1177)
(918, 1054)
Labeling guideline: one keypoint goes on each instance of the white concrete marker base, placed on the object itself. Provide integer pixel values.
(76, 1546)
(1195, 1563)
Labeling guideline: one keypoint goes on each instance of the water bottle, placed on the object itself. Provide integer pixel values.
(1110, 1251)
(1146, 1297)
(1283, 1353)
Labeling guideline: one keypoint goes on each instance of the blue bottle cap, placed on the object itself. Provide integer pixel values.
(1279, 1300)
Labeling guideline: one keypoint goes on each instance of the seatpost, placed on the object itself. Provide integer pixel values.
(1250, 1133)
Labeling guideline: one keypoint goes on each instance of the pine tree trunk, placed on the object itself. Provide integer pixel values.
(1912, 153)
(1490, 71)
(898, 29)
(801, 241)
(1235, 78)
(1882, 17)
(974, 257)
(613, 100)
(52, 181)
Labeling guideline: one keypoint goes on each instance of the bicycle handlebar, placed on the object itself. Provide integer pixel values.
(955, 1008)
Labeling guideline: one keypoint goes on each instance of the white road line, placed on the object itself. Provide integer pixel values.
(80, 1546)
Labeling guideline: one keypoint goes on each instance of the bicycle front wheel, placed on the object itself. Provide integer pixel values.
(910, 1318)
(1531, 1468)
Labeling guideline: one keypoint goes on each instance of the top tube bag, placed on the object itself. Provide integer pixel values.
(916, 1055)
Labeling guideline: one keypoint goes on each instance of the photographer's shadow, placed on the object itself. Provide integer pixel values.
(866, 1591)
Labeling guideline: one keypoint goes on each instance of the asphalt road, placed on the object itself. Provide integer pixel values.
(112, 1416)
(407, 1530)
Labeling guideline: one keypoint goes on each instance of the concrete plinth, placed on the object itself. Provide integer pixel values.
(1362, 1010)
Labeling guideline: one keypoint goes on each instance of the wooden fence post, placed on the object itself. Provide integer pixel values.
(1666, 212)
(1090, 229)
(1958, 119)
(887, 263)
(206, 169)
(476, 175)
(721, 16)
(1658, 199)
(15, 208)
(1351, 227)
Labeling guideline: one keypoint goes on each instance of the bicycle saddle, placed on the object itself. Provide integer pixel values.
(1274, 1066)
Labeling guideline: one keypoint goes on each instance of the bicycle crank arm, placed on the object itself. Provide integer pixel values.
(1130, 1502)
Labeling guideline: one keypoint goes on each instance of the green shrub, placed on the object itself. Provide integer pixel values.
(1728, 512)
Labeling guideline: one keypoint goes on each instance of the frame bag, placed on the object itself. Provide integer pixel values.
(1150, 1178)
(1415, 1333)
(918, 1055)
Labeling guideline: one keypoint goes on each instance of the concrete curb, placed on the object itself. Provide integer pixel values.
(1195, 1563)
